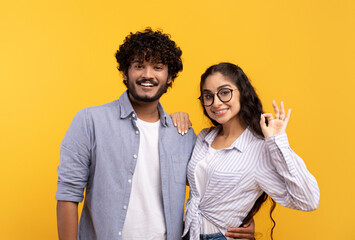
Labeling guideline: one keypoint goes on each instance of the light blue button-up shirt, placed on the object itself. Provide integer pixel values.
(99, 152)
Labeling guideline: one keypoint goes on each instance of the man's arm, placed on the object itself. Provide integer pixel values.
(67, 220)
(246, 232)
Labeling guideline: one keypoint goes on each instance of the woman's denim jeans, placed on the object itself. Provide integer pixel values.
(214, 236)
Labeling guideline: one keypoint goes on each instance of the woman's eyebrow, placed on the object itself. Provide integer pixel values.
(207, 90)
(220, 87)
(224, 86)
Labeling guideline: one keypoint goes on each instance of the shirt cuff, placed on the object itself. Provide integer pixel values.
(68, 194)
(281, 153)
(277, 141)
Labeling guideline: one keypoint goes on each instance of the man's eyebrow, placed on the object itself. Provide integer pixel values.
(136, 61)
(157, 61)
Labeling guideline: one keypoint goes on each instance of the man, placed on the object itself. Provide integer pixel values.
(128, 154)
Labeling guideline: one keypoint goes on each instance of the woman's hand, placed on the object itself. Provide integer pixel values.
(181, 121)
(277, 125)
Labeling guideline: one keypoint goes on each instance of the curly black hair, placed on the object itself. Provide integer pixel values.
(152, 46)
(250, 112)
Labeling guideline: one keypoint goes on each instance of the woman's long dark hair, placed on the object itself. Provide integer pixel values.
(250, 112)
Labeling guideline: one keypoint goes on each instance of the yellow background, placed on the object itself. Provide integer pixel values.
(57, 57)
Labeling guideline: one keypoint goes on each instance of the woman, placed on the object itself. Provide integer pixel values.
(243, 157)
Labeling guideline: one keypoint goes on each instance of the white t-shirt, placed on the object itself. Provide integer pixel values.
(201, 182)
(145, 214)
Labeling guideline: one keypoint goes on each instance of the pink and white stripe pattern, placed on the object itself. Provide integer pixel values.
(239, 174)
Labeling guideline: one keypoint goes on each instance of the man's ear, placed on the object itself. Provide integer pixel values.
(125, 79)
(169, 80)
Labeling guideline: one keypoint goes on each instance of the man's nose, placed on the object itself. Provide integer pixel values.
(148, 73)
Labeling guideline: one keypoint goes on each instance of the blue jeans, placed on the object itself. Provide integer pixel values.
(213, 236)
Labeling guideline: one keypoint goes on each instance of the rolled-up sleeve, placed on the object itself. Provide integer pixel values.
(74, 167)
(284, 176)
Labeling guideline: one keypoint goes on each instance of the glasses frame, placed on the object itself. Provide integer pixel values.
(217, 93)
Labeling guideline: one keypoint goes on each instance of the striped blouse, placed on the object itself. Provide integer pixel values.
(239, 174)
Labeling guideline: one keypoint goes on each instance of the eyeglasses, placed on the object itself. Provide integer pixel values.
(223, 94)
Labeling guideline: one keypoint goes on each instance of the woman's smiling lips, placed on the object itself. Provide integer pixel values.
(220, 112)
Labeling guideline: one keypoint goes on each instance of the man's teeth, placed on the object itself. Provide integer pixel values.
(147, 84)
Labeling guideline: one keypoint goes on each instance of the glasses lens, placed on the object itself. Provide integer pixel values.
(224, 94)
(207, 99)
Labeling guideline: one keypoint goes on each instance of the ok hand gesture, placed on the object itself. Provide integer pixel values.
(277, 125)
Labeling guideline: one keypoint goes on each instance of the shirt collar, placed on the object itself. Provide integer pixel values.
(127, 109)
(241, 143)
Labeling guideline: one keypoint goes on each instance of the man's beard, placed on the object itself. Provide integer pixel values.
(131, 89)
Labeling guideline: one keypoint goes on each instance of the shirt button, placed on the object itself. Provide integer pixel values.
(133, 115)
(129, 180)
(124, 207)
(135, 156)
(120, 233)
(137, 132)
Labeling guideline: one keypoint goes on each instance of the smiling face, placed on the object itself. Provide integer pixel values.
(147, 81)
(221, 112)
